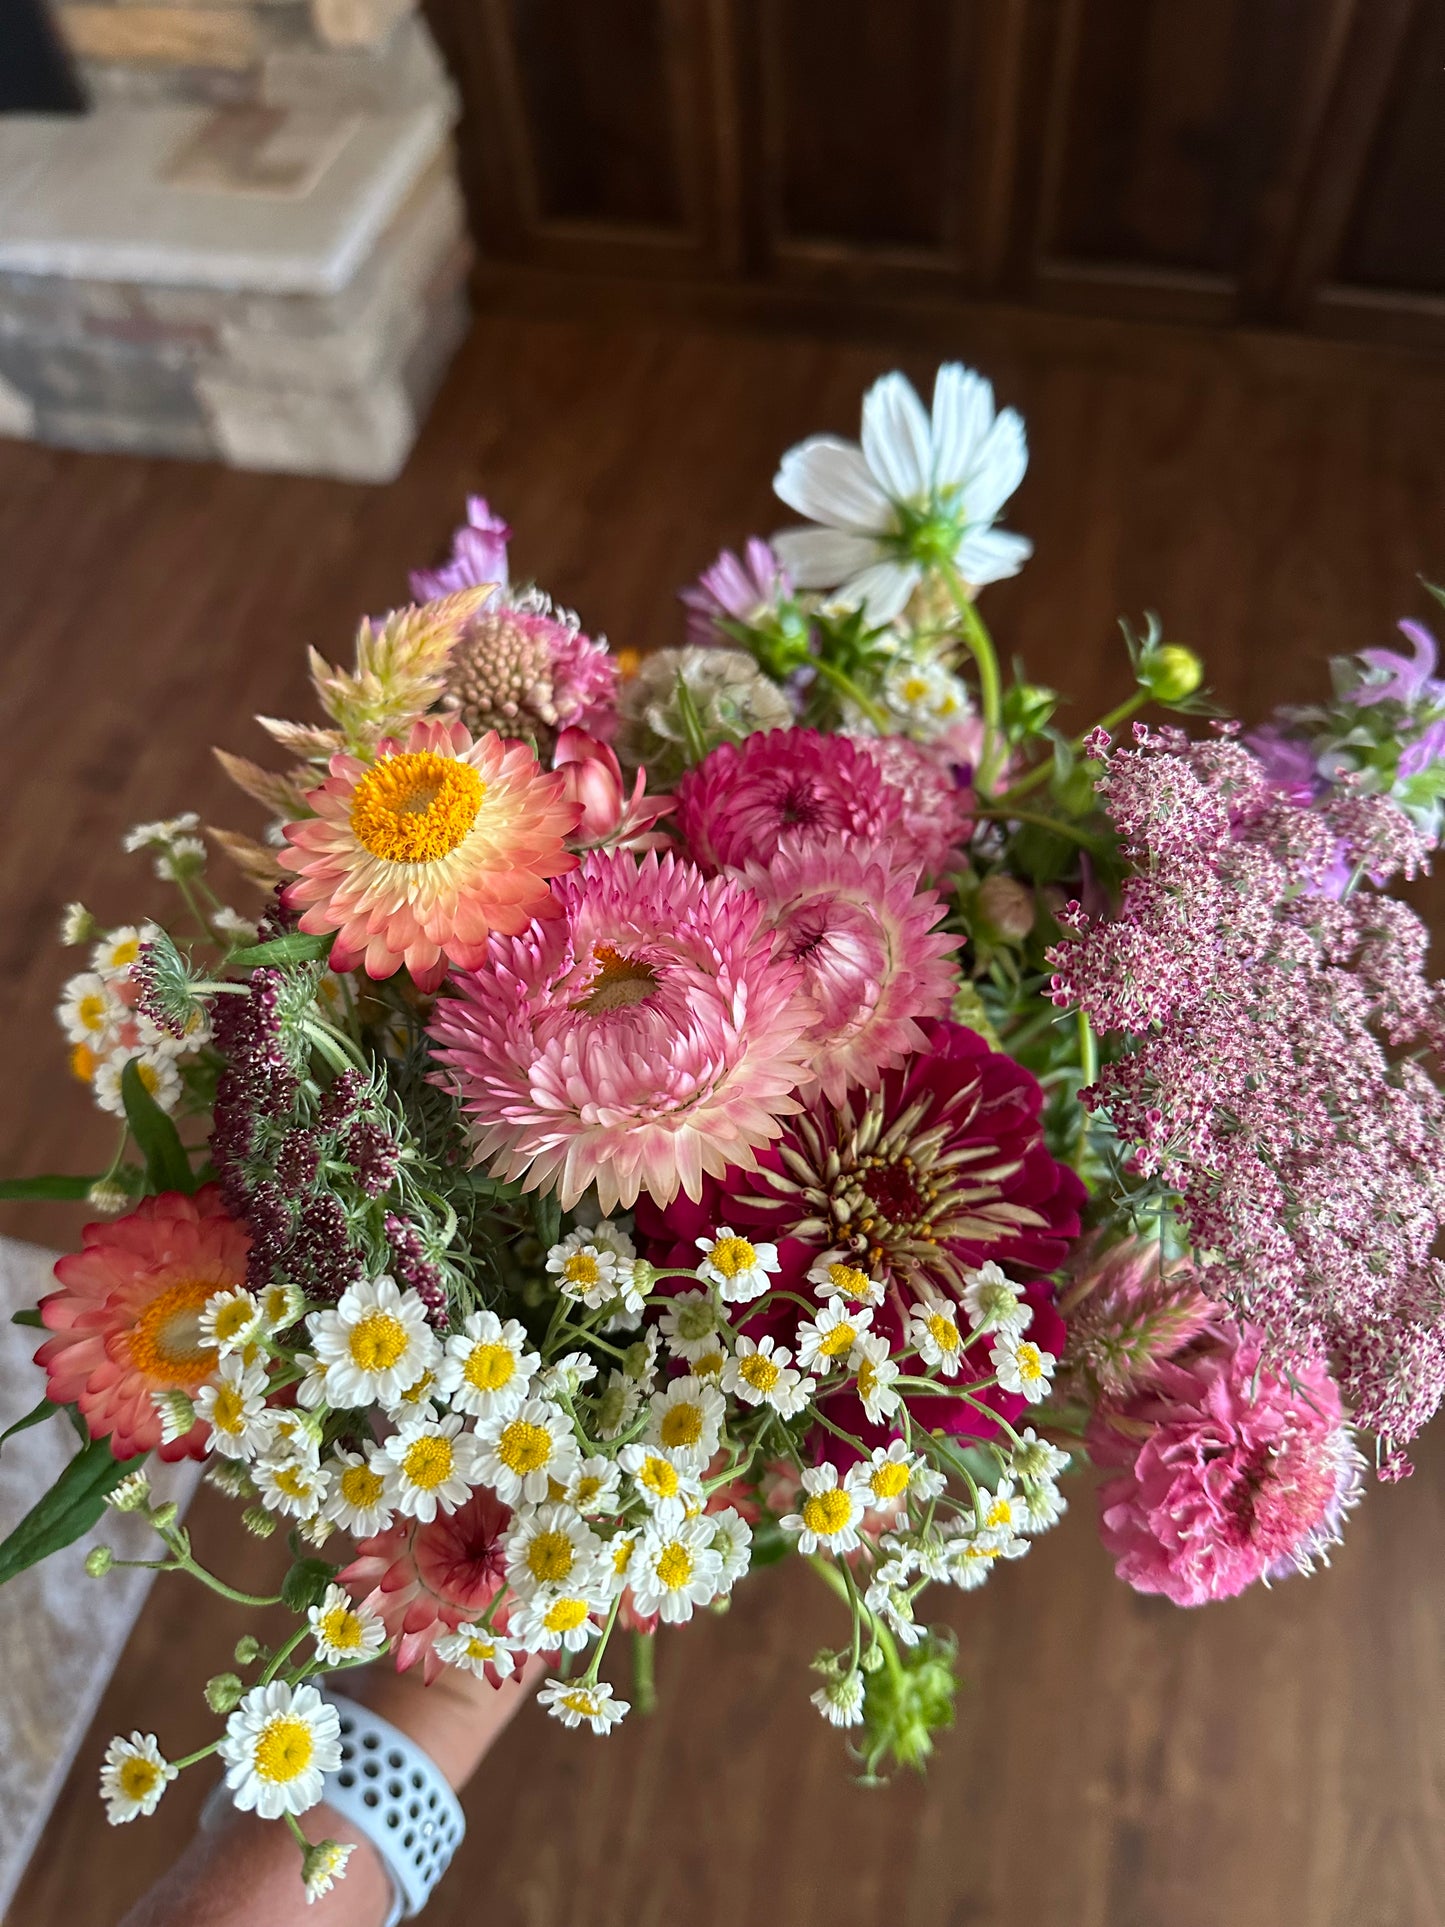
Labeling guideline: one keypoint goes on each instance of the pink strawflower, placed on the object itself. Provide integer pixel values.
(527, 670)
(1230, 1468)
(479, 556)
(647, 1036)
(418, 857)
(1276, 1071)
(931, 805)
(791, 789)
(873, 962)
(127, 1319)
(613, 817)
(422, 1580)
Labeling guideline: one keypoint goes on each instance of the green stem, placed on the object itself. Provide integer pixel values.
(990, 693)
(644, 1672)
(282, 1654)
(1041, 771)
(220, 1586)
(845, 686)
(1086, 839)
(193, 1759)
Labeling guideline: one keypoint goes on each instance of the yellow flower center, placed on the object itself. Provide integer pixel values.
(165, 1342)
(849, 1280)
(731, 1256)
(361, 1487)
(867, 1378)
(889, 1480)
(489, 1367)
(416, 1392)
(580, 1701)
(681, 1425)
(91, 1011)
(827, 1512)
(228, 1414)
(943, 1332)
(759, 1371)
(125, 954)
(660, 1477)
(481, 1648)
(138, 1778)
(999, 1513)
(83, 1063)
(524, 1447)
(550, 1558)
(581, 1269)
(674, 1566)
(1030, 1364)
(283, 1749)
(377, 1341)
(839, 1341)
(416, 806)
(566, 1615)
(150, 1077)
(708, 1366)
(293, 1482)
(622, 1555)
(342, 1630)
(428, 1462)
(619, 983)
(587, 1490)
(232, 1319)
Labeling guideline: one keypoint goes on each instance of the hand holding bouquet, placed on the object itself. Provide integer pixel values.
(781, 1095)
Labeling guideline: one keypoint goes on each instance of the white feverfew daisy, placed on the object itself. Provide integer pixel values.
(876, 1372)
(89, 1010)
(666, 1481)
(761, 1373)
(732, 1541)
(344, 1629)
(118, 949)
(433, 1466)
(829, 1339)
(617, 1556)
(888, 1478)
(230, 1320)
(291, 1482)
(924, 698)
(526, 1452)
(890, 1600)
(176, 1412)
(841, 1700)
(585, 1269)
(135, 1775)
(739, 1268)
(160, 835)
(993, 1303)
(832, 1279)
(322, 1865)
(1022, 1366)
(156, 1070)
(374, 1344)
(675, 1569)
(616, 1405)
(281, 1304)
(547, 1621)
(915, 493)
(1036, 1458)
(233, 1404)
(311, 1391)
(185, 857)
(828, 1515)
(356, 1494)
(1044, 1506)
(687, 1417)
(550, 1549)
(1002, 1516)
(279, 1744)
(933, 1330)
(566, 1376)
(476, 1650)
(691, 1325)
(487, 1367)
(593, 1487)
(579, 1703)
(422, 1399)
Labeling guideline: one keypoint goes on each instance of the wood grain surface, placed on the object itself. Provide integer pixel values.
(1275, 1762)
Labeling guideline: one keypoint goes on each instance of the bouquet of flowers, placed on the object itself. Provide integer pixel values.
(780, 1095)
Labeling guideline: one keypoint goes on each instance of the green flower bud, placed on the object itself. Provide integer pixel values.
(223, 1692)
(906, 1704)
(1171, 672)
(165, 1516)
(1006, 907)
(99, 1562)
(248, 1650)
(131, 1495)
(258, 1521)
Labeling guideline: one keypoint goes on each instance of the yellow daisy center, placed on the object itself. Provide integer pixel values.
(581, 1269)
(943, 1331)
(849, 1280)
(228, 1414)
(681, 1425)
(659, 1477)
(342, 1630)
(489, 1367)
(377, 1341)
(361, 1487)
(587, 1490)
(124, 954)
(566, 1615)
(999, 1513)
(428, 1462)
(283, 1749)
(138, 1779)
(550, 1558)
(416, 806)
(150, 1077)
(674, 1566)
(83, 1063)
(524, 1447)
(581, 1701)
(622, 1555)
(232, 1319)
(293, 1482)
(620, 981)
(839, 1341)
(827, 1512)
(1030, 1365)
(91, 1011)
(889, 1480)
(415, 1393)
(165, 1342)
(759, 1371)
(708, 1366)
(731, 1256)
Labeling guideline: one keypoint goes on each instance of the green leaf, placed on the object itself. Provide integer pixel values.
(770, 1542)
(36, 1416)
(28, 1316)
(167, 1166)
(547, 1216)
(31, 1190)
(295, 947)
(306, 1583)
(67, 1511)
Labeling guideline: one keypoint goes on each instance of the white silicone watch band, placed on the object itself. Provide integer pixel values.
(390, 1791)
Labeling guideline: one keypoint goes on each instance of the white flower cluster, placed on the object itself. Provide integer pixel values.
(97, 1011)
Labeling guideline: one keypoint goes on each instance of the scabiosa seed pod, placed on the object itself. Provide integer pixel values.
(528, 670)
(1128, 1311)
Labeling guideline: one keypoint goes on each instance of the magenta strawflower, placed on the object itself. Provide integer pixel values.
(645, 1037)
(874, 963)
(1230, 1468)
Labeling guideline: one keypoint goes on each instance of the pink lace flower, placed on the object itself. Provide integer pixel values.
(1228, 1470)
(127, 1319)
(873, 963)
(646, 1037)
(427, 1579)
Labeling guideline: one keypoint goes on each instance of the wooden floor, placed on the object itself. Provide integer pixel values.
(1277, 1762)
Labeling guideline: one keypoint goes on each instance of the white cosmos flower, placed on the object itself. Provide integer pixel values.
(832, 1278)
(690, 1325)
(687, 1417)
(830, 1337)
(915, 492)
(827, 1520)
(375, 1344)
(343, 1628)
(230, 1320)
(1022, 1366)
(133, 1778)
(876, 1371)
(549, 1549)
(524, 1453)
(233, 1404)
(841, 1700)
(933, 1330)
(667, 1481)
(487, 1367)
(576, 1703)
(993, 1303)
(674, 1569)
(476, 1650)
(739, 1268)
(760, 1372)
(732, 1541)
(433, 1466)
(279, 1744)
(356, 1495)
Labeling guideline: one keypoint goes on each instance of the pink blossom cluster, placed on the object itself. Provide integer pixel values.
(1272, 1070)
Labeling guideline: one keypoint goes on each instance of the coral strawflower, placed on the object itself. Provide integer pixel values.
(423, 1580)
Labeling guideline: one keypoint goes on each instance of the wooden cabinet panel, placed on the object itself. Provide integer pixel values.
(1396, 239)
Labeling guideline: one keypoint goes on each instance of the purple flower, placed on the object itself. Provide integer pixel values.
(1427, 748)
(735, 589)
(1288, 763)
(479, 555)
(1408, 679)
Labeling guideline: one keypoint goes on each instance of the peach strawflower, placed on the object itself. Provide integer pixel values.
(418, 857)
(127, 1319)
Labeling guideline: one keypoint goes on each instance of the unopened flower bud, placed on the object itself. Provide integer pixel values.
(223, 1692)
(165, 1516)
(1171, 672)
(872, 1659)
(107, 1197)
(1006, 906)
(99, 1561)
(131, 1495)
(248, 1650)
(258, 1521)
